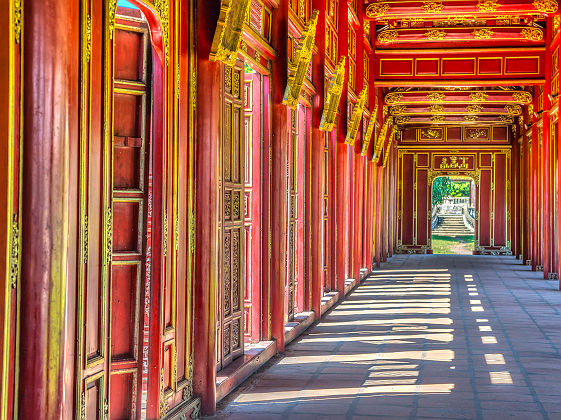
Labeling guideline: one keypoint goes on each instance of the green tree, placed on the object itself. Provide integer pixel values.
(459, 189)
(441, 188)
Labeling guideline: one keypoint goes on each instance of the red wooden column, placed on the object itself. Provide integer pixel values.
(546, 165)
(534, 186)
(207, 192)
(50, 143)
(526, 183)
(341, 182)
(317, 162)
(379, 213)
(279, 160)
(358, 227)
(515, 194)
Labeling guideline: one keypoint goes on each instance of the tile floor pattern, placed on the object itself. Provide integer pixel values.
(444, 337)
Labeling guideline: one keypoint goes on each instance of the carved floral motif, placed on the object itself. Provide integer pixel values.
(478, 96)
(435, 35)
(375, 10)
(522, 96)
(436, 97)
(387, 36)
(546, 6)
(532, 34)
(483, 33)
(432, 6)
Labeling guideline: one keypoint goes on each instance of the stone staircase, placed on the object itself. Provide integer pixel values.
(452, 225)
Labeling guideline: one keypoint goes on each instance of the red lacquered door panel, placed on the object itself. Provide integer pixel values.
(131, 143)
(230, 328)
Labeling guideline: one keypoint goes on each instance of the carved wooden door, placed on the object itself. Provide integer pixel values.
(230, 328)
(292, 269)
(253, 123)
(131, 146)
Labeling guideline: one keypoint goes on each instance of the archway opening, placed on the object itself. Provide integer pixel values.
(453, 215)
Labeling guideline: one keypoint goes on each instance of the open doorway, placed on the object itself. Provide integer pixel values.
(453, 215)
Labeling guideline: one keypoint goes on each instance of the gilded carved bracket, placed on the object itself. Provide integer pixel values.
(388, 145)
(298, 68)
(356, 117)
(381, 139)
(369, 132)
(333, 97)
(229, 29)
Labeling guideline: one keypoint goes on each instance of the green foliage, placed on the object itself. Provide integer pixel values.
(440, 189)
(444, 187)
(459, 189)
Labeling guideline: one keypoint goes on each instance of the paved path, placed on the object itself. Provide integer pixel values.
(447, 337)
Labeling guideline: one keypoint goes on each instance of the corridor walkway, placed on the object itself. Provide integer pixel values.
(447, 337)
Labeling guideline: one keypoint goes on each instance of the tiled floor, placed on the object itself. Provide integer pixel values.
(446, 337)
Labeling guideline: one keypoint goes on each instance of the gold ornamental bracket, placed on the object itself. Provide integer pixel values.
(333, 97)
(369, 132)
(228, 35)
(356, 117)
(388, 145)
(381, 139)
(299, 65)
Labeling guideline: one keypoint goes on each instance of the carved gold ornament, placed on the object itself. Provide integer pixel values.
(435, 35)
(474, 108)
(380, 140)
(437, 118)
(436, 97)
(478, 96)
(483, 33)
(546, 6)
(532, 34)
(556, 23)
(388, 36)
(228, 34)
(432, 6)
(333, 97)
(369, 132)
(506, 119)
(298, 67)
(513, 109)
(377, 9)
(476, 134)
(430, 134)
(393, 97)
(356, 117)
(471, 118)
(392, 137)
(398, 109)
(485, 6)
(524, 97)
(434, 108)
(531, 111)
(402, 119)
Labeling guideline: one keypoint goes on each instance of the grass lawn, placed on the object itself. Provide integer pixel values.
(452, 245)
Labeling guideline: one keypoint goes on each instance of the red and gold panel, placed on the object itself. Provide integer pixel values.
(443, 9)
(455, 134)
(489, 168)
(526, 63)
